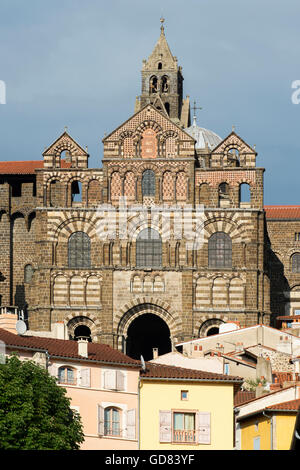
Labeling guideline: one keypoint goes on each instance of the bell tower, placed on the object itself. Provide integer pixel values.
(162, 83)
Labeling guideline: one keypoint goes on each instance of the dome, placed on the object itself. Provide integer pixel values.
(203, 136)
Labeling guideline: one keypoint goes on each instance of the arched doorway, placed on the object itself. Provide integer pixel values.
(146, 332)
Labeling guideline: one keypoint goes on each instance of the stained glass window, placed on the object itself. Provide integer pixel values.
(296, 263)
(219, 251)
(148, 183)
(148, 248)
(79, 250)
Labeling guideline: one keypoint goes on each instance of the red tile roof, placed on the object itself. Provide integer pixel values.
(282, 212)
(163, 371)
(67, 348)
(242, 397)
(292, 405)
(25, 167)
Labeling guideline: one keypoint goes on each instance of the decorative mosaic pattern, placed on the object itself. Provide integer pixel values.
(129, 185)
(170, 147)
(181, 187)
(116, 186)
(168, 186)
(235, 178)
(128, 147)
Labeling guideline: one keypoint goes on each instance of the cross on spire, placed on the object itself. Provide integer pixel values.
(194, 116)
(195, 107)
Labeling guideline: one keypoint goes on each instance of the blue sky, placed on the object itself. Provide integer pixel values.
(77, 64)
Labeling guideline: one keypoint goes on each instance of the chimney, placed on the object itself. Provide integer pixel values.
(239, 347)
(82, 347)
(259, 392)
(155, 353)
(197, 351)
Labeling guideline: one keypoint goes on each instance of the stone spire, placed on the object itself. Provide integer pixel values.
(162, 82)
(161, 54)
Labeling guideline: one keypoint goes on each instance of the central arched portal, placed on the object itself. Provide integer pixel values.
(146, 332)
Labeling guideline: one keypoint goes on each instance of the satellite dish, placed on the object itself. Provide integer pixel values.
(143, 363)
(21, 327)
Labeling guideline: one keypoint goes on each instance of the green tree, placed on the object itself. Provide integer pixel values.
(35, 412)
(251, 384)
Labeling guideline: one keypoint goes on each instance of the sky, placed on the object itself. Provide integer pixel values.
(78, 64)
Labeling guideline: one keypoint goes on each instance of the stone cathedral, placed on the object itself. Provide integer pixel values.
(150, 288)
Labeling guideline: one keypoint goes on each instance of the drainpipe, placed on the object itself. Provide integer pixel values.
(271, 419)
(139, 412)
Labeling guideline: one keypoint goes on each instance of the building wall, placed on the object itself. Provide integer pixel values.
(197, 296)
(254, 428)
(285, 424)
(87, 395)
(285, 290)
(214, 398)
(86, 401)
(260, 426)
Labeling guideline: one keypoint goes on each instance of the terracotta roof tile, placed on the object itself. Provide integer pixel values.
(242, 397)
(292, 405)
(67, 348)
(282, 212)
(25, 167)
(162, 371)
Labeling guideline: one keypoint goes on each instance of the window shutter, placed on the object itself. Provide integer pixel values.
(203, 427)
(120, 380)
(53, 370)
(100, 420)
(85, 377)
(110, 379)
(165, 426)
(130, 425)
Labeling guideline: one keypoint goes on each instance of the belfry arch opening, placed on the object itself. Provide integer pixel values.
(210, 327)
(146, 332)
(82, 331)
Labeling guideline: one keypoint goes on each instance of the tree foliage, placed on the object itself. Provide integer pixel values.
(251, 384)
(35, 412)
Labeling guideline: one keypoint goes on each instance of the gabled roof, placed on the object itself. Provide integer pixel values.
(67, 349)
(162, 371)
(282, 212)
(140, 117)
(27, 167)
(232, 138)
(20, 167)
(292, 405)
(268, 394)
(243, 396)
(65, 139)
(240, 330)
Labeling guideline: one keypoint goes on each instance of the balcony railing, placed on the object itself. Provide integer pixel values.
(184, 436)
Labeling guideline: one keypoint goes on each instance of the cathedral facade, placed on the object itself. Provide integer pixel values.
(106, 252)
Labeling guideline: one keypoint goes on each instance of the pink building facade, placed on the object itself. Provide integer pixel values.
(101, 382)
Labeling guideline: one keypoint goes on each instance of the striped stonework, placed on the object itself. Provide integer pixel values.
(219, 293)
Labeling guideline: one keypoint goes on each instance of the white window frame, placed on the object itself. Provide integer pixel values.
(123, 422)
